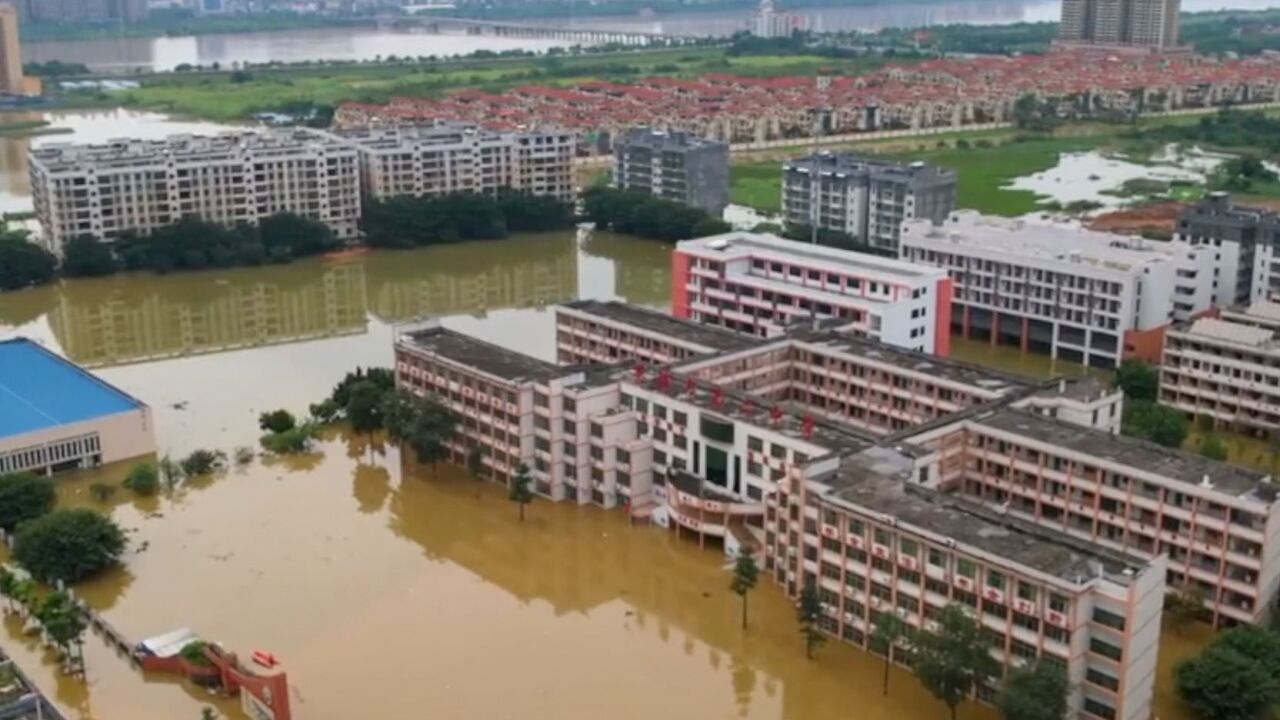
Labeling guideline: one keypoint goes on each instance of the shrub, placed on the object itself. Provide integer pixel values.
(277, 421)
(143, 479)
(68, 545)
(201, 462)
(24, 496)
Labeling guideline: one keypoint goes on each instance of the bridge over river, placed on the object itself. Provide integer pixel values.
(471, 26)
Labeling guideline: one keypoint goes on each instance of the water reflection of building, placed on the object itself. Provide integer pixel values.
(176, 320)
(517, 273)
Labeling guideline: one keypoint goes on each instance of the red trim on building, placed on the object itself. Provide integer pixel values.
(942, 318)
(680, 284)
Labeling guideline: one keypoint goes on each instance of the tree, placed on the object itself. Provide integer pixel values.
(955, 660)
(1152, 421)
(86, 256)
(889, 631)
(364, 407)
(475, 461)
(1261, 646)
(433, 429)
(745, 576)
(520, 494)
(24, 496)
(68, 545)
(293, 441)
(1213, 448)
(143, 479)
(1182, 606)
(1222, 684)
(208, 713)
(277, 421)
(63, 623)
(1034, 692)
(23, 263)
(808, 612)
(1138, 380)
(399, 411)
(202, 462)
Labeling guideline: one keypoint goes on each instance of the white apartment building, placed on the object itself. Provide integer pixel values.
(140, 185)
(1227, 368)
(1243, 242)
(759, 284)
(458, 157)
(1084, 296)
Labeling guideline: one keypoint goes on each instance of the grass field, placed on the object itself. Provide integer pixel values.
(982, 171)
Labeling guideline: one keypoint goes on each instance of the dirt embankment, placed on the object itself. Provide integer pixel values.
(1156, 220)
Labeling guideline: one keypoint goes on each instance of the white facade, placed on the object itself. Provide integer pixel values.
(1089, 297)
(103, 190)
(1227, 368)
(760, 284)
(456, 157)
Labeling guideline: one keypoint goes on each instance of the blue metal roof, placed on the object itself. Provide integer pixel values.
(39, 390)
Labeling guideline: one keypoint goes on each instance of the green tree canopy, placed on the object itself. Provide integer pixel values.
(23, 497)
(143, 479)
(68, 545)
(808, 614)
(1034, 692)
(277, 421)
(1151, 421)
(1222, 684)
(520, 493)
(364, 407)
(1138, 380)
(745, 576)
(953, 661)
(23, 263)
(86, 256)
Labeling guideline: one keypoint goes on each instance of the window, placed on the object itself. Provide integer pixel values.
(1026, 591)
(1110, 619)
(569, 404)
(1102, 679)
(881, 537)
(1102, 710)
(857, 528)
(540, 399)
(778, 452)
(910, 548)
(679, 418)
(1057, 603)
(1105, 649)
(755, 443)
(597, 430)
(754, 469)
(966, 568)
(659, 411)
(995, 580)
(937, 558)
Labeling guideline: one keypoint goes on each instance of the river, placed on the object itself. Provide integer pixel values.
(129, 53)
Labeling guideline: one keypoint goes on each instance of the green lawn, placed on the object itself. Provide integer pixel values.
(758, 185)
(982, 172)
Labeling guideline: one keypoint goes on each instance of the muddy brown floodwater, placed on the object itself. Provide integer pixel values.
(387, 591)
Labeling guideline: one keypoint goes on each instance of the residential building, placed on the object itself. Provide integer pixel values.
(872, 540)
(140, 185)
(759, 284)
(57, 416)
(769, 22)
(1218, 524)
(1144, 23)
(713, 447)
(1084, 296)
(450, 157)
(83, 11)
(1244, 242)
(674, 165)
(1227, 368)
(863, 201)
(11, 80)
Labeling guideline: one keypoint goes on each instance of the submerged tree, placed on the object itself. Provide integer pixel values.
(952, 662)
(808, 613)
(520, 492)
(1034, 692)
(745, 576)
(889, 632)
(475, 462)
